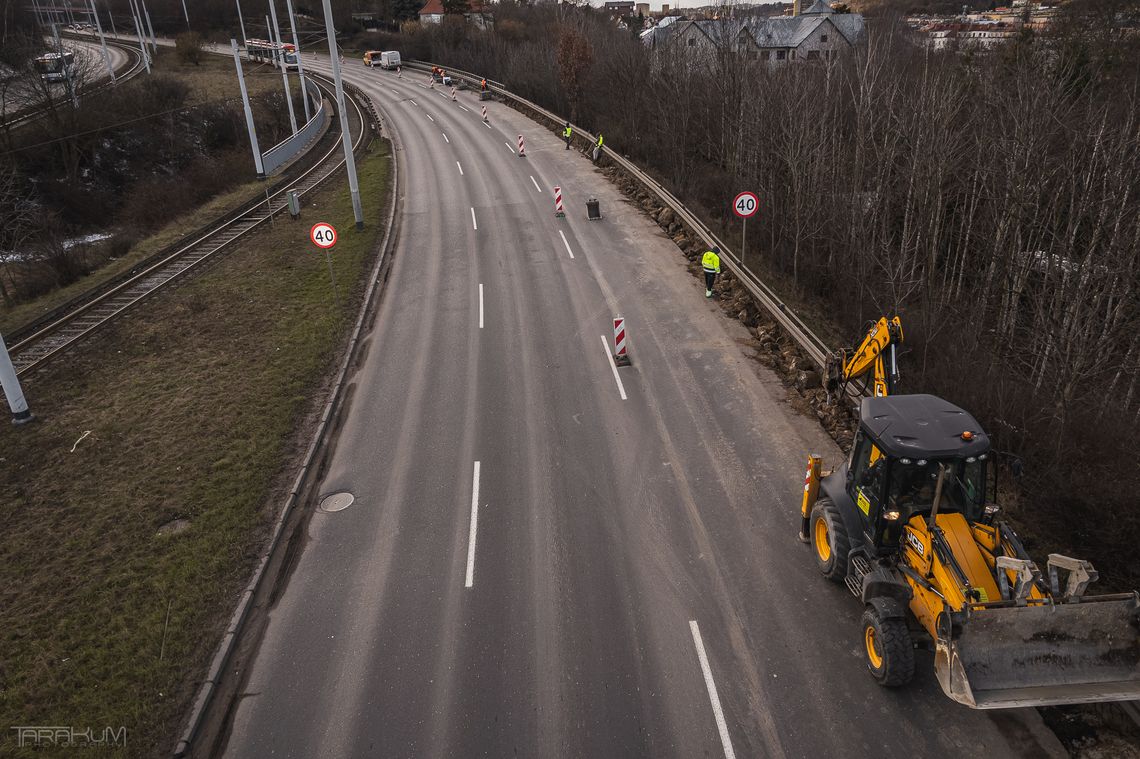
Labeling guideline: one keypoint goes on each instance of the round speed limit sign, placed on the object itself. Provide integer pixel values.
(745, 205)
(323, 235)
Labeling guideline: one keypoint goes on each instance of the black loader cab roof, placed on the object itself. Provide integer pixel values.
(922, 426)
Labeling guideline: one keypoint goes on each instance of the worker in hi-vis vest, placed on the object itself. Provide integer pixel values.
(710, 262)
(566, 134)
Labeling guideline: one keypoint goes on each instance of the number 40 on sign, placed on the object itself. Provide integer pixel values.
(323, 235)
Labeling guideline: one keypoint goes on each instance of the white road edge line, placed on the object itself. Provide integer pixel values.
(473, 223)
(509, 146)
(429, 117)
(613, 366)
(460, 168)
(486, 125)
(725, 741)
(445, 138)
(474, 524)
(535, 183)
(567, 244)
(480, 305)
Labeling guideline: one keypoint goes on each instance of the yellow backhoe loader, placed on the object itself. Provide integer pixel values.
(909, 524)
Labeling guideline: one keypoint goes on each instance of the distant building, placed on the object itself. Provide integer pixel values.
(432, 13)
(665, 9)
(619, 7)
(983, 36)
(642, 8)
(819, 33)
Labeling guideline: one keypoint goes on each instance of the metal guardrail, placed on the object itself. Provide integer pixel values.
(284, 151)
(810, 343)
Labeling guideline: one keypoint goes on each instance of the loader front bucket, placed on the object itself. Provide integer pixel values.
(1039, 655)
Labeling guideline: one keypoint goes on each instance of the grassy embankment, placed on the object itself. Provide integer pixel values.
(212, 81)
(189, 408)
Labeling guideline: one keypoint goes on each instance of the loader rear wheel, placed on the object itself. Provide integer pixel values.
(888, 649)
(829, 540)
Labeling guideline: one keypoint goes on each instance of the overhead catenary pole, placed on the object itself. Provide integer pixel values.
(153, 41)
(345, 137)
(241, 22)
(138, 31)
(284, 66)
(111, 16)
(186, 13)
(248, 113)
(300, 63)
(103, 42)
(16, 401)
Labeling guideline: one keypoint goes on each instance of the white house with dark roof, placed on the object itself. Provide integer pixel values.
(819, 33)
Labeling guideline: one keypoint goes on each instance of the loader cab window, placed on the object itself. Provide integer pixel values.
(866, 474)
(914, 481)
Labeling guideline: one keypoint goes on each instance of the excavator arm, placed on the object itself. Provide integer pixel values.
(874, 360)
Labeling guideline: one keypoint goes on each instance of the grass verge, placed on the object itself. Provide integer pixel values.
(185, 413)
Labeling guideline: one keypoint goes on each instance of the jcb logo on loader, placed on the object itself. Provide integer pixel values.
(915, 543)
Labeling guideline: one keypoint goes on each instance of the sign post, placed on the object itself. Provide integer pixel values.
(744, 205)
(323, 236)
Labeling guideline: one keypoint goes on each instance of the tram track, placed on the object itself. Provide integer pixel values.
(65, 330)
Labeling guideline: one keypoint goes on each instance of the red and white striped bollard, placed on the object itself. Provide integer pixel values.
(621, 356)
(484, 113)
(558, 211)
(453, 93)
(522, 148)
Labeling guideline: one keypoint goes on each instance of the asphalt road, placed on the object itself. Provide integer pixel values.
(634, 544)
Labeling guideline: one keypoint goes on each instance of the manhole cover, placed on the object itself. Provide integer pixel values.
(337, 502)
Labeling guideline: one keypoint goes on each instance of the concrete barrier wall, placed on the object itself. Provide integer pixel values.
(289, 148)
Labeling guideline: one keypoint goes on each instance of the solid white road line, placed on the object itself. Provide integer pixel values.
(613, 366)
(473, 223)
(474, 524)
(509, 146)
(460, 168)
(429, 116)
(464, 109)
(486, 125)
(445, 138)
(725, 741)
(480, 305)
(535, 184)
(564, 242)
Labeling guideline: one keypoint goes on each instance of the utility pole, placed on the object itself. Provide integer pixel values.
(16, 402)
(138, 31)
(345, 137)
(244, 39)
(284, 66)
(153, 41)
(103, 42)
(300, 63)
(248, 113)
(111, 16)
(186, 13)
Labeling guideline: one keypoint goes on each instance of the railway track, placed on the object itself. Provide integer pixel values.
(71, 328)
(134, 69)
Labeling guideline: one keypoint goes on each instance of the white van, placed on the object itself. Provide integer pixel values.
(389, 59)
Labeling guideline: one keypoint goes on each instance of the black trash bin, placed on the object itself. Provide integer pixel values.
(593, 210)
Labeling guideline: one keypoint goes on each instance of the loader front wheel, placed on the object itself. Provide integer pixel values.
(888, 649)
(829, 540)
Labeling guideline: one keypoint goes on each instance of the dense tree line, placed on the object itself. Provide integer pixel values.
(991, 199)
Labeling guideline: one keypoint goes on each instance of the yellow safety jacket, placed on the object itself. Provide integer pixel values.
(711, 262)
(599, 140)
(567, 132)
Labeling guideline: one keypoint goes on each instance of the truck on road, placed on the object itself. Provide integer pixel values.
(388, 59)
